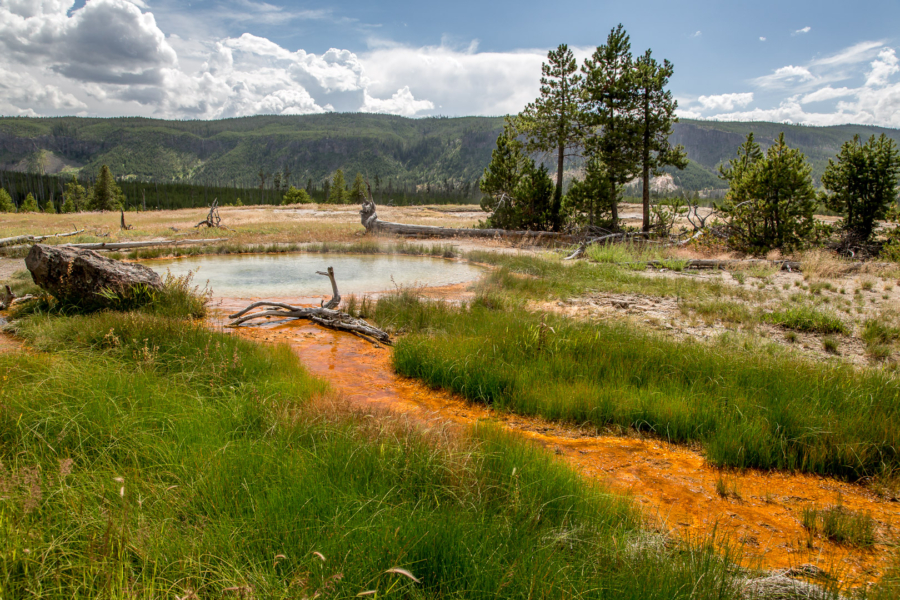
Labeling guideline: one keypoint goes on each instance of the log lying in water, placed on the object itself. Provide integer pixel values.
(325, 315)
(84, 277)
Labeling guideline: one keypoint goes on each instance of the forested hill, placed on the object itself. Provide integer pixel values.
(232, 152)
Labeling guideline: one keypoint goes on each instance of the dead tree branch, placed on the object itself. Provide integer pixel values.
(604, 239)
(325, 315)
(212, 219)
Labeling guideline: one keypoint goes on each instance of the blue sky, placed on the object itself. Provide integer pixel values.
(810, 62)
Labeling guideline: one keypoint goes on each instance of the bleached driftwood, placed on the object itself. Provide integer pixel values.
(133, 245)
(369, 219)
(326, 315)
(122, 224)
(212, 219)
(33, 239)
(8, 298)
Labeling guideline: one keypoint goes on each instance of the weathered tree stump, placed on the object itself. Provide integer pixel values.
(84, 277)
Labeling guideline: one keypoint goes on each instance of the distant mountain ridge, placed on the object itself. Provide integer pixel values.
(420, 151)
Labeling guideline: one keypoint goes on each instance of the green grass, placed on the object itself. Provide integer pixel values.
(748, 408)
(552, 278)
(146, 456)
(840, 525)
(807, 319)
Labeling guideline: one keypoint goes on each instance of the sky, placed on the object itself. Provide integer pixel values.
(817, 63)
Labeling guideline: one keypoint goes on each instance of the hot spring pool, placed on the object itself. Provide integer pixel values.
(289, 275)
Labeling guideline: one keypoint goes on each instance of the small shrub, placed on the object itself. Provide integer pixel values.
(830, 344)
(807, 319)
(876, 331)
(791, 337)
(840, 525)
(867, 284)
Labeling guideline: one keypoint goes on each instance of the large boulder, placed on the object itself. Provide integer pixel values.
(84, 277)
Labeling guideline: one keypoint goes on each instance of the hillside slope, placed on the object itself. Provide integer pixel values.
(419, 151)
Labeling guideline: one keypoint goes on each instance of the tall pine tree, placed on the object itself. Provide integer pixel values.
(553, 122)
(338, 191)
(609, 107)
(654, 119)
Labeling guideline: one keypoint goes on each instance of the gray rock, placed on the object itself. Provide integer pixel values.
(80, 276)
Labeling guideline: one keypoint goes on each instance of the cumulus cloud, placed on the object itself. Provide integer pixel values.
(697, 33)
(113, 51)
(725, 101)
(785, 75)
(803, 30)
(874, 100)
(762, 39)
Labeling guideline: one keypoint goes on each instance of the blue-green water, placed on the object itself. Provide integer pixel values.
(288, 275)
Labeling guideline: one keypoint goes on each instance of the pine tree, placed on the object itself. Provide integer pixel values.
(106, 195)
(554, 122)
(518, 194)
(29, 205)
(590, 201)
(771, 198)
(338, 191)
(358, 191)
(862, 184)
(295, 196)
(49, 208)
(609, 107)
(6, 203)
(655, 117)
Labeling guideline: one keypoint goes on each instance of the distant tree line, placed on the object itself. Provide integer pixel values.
(32, 192)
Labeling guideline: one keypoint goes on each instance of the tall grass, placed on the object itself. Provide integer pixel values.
(749, 409)
(149, 457)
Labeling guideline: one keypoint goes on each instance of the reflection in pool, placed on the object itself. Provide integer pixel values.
(286, 275)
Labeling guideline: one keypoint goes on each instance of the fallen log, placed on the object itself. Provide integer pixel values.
(84, 277)
(326, 315)
(33, 239)
(579, 252)
(133, 245)
(373, 224)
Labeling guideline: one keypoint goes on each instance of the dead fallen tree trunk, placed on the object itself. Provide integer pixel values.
(33, 239)
(133, 245)
(370, 220)
(784, 265)
(325, 315)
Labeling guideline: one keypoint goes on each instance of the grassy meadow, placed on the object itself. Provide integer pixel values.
(747, 404)
(143, 455)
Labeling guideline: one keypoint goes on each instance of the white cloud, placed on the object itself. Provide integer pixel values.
(875, 101)
(725, 101)
(697, 33)
(784, 76)
(826, 93)
(883, 67)
(762, 39)
(802, 31)
(66, 60)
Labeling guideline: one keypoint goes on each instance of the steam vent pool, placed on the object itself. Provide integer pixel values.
(292, 275)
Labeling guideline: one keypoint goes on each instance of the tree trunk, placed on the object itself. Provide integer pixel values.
(557, 193)
(645, 159)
